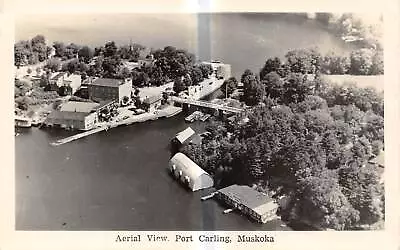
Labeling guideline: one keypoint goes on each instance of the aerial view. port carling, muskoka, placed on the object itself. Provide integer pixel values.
(199, 122)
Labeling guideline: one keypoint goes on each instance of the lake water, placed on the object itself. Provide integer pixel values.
(117, 180)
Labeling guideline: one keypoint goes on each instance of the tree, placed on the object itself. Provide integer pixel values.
(334, 64)
(361, 61)
(71, 50)
(196, 75)
(111, 67)
(305, 61)
(22, 53)
(39, 47)
(377, 67)
(124, 73)
(86, 53)
(229, 85)
(245, 74)
(59, 48)
(253, 90)
(324, 205)
(273, 85)
(296, 88)
(54, 64)
(361, 186)
(110, 49)
(271, 65)
(179, 85)
(206, 70)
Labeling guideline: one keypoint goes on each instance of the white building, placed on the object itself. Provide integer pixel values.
(220, 70)
(189, 173)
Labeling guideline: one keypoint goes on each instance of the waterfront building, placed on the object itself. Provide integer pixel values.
(22, 122)
(105, 89)
(220, 70)
(74, 81)
(189, 173)
(57, 78)
(250, 202)
(152, 103)
(74, 115)
(184, 136)
(60, 79)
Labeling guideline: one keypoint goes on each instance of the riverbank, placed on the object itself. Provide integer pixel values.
(166, 112)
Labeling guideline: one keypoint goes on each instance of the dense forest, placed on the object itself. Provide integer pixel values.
(305, 138)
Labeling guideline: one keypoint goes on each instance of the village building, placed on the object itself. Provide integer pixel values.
(104, 89)
(250, 202)
(189, 173)
(152, 103)
(220, 70)
(184, 136)
(74, 115)
(145, 62)
(60, 79)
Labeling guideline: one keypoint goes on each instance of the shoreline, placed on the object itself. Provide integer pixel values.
(167, 112)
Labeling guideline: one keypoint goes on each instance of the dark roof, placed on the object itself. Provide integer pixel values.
(67, 115)
(105, 103)
(246, 195)
(152, 99)
(107, 82)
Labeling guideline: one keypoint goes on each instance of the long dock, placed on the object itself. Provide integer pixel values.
(78, 136)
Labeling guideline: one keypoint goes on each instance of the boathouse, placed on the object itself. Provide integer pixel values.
(74, 115)
(189, 173)
(152, 103)
(250, 202)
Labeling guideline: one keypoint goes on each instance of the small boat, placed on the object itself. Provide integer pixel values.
(205, 117)
(208, 196)
(22, 122)
(193, 117)
(227, 211)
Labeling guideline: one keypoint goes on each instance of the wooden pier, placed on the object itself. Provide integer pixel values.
(208, 196)
(78, 136)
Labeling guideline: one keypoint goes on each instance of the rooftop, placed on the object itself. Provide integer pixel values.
(152, 99)
(185, 134)
(78, 107)
(107, 82)
(249, 197)
(66, 115)
(185, 164)
(56, 76)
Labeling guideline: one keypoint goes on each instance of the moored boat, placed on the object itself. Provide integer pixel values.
(22, 122)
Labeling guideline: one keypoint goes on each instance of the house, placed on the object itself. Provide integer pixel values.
(189, 173)
(104, 89)
(152, 103)
(144, 62)
(74, 115)
(220, 70)
(250, 202)
(57, 78)
(184, 135)
(74, 81)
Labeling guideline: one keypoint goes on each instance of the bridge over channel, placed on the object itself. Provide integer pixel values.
(204, 104)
